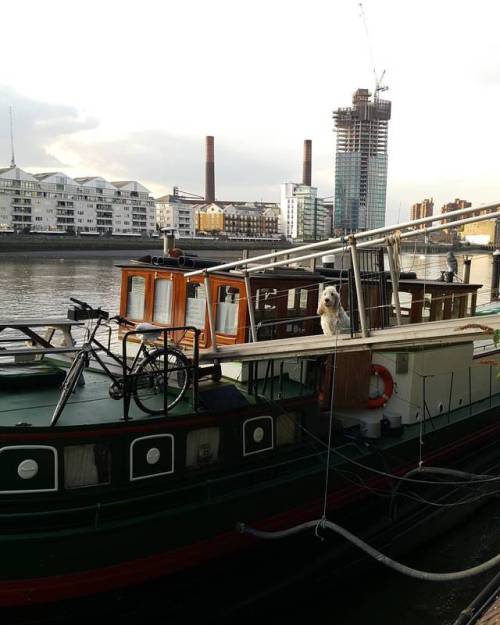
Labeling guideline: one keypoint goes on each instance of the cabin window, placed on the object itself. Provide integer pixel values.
(162, 310)
(195, 305)
(266, 310)
(297, 301)
(228, 304)
(136, 286)
(86, 465)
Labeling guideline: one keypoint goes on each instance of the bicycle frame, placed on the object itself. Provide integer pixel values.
(122, 363)
(128, 375)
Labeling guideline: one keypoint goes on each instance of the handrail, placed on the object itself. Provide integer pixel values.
(332, 241)
(372, 242)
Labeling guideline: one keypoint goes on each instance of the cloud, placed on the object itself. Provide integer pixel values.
(37, 125)
(163, 159)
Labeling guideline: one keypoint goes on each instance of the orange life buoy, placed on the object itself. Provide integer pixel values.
(380, 400)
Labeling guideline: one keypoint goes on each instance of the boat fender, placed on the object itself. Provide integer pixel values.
(381, 400)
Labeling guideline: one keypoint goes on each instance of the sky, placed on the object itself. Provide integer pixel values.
(129, 90)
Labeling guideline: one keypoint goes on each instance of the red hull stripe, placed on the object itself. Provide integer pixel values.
(72, 585)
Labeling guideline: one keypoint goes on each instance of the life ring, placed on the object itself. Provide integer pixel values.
(380, 400)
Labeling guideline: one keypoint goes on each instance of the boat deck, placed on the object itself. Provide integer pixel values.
(91, 404)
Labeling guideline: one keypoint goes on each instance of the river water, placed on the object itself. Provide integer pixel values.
(40, 284)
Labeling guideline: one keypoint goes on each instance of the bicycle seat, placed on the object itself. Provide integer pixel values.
(148, 336)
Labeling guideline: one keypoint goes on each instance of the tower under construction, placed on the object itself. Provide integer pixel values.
(361, 162)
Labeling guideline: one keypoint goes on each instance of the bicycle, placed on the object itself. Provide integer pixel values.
(154, 372)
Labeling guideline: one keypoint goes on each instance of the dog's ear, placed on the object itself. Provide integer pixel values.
(321, 309)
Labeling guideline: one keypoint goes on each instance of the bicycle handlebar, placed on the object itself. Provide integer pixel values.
(80, 303)
(122, 320)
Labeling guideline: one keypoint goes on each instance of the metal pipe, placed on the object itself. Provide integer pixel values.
(359, 287)
(467, 264)
(394, 280)
(358, 235)
(251, 311)
(372, 242)
(211, 323)
(495, 275)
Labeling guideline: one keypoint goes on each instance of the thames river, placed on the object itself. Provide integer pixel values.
(39, 285)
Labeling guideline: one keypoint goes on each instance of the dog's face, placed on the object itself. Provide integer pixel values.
(329, 302)
(330, 298)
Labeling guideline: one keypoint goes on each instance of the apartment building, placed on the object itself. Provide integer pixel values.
(174, 212)
(303, 215)
(422, 209)
(54, 202)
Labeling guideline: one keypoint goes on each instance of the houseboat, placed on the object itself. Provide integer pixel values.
(298, 424)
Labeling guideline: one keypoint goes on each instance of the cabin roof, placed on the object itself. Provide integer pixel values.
(284, 274)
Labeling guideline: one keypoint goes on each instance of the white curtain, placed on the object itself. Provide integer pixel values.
(162, 311)
(135, 300)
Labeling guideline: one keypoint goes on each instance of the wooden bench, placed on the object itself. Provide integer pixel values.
(38, 337)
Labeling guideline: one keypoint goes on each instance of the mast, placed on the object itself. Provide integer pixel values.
(13, 158)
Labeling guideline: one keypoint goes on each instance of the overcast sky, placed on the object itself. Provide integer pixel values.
(128, 90)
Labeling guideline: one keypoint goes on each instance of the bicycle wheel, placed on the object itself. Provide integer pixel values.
(68, 386)
(155, 378)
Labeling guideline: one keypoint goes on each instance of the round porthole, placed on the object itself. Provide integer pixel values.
(258, 435)
(153, 455)
(27, 469)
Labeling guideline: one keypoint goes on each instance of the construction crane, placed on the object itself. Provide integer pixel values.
(378, 79)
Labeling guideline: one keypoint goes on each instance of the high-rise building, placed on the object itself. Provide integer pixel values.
(303, 214)
(361, 162)
(422, 209)
(458, 204)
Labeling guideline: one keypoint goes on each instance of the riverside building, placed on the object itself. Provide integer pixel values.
(172, 211)
(361, 162)
(303, 214)
(55, 203)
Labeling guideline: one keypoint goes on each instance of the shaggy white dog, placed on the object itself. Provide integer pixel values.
(331, 311)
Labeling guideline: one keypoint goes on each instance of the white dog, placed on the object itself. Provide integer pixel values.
(331, 311)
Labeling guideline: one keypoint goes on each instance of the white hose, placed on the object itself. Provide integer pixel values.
(371, 551)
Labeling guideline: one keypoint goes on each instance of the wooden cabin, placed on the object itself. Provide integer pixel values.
(285, 301)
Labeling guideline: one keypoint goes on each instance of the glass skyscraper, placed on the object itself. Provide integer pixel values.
(361, 162)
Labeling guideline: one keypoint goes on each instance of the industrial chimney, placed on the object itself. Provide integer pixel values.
(209, 172)
(306, 170)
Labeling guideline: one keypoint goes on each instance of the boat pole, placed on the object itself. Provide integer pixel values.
(467, 264)
(251, 310)
(359, 288)
(495, 275)
(394, 280)
(208, 295)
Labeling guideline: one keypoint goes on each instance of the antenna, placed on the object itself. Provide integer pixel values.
(13, 159)
(378, 80)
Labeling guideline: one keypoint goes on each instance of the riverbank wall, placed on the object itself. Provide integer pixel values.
(15, 243)
(19, 243)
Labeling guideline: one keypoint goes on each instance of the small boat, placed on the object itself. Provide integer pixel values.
(225, 405)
